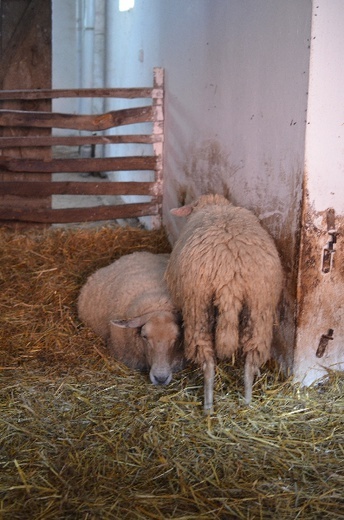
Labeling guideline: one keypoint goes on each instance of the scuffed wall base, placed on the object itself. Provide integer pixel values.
(320, 302)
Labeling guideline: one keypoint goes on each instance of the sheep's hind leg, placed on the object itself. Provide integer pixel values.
(257, 347)
(251, 370)
(209, 377)
(198, 338)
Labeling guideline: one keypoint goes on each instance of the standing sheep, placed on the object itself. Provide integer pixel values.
(224, 269)
(127, 303)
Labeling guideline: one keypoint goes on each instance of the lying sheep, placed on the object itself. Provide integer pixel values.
(224, 270)
(127, 303)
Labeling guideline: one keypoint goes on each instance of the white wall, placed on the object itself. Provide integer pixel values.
(325, 129)
(78, 51)
(321, 294)
(65, 69)
(237, 73)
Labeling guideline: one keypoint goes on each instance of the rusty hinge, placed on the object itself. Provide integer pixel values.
(329, 249)
(325, 338)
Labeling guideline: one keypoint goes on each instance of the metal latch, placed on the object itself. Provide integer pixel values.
(325, 338)
(329, 249)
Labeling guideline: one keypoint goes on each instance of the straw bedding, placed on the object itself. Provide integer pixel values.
(83, 437)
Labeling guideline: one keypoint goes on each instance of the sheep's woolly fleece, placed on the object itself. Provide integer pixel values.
(127, 303)
(224, 262)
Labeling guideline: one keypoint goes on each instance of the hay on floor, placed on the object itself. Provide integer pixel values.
(83, 437)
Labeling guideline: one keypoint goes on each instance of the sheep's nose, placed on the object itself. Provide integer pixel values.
(160, 379)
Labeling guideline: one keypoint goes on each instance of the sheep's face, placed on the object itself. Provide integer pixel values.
(160, 335)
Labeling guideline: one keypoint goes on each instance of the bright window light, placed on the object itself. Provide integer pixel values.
(125, 5)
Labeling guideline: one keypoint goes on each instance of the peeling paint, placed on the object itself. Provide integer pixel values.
(320, 300)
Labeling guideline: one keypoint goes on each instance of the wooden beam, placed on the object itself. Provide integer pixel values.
(93, 123)
(38, 189)
(40, 141)
(125, 93)
(64, 216)
(10, 164)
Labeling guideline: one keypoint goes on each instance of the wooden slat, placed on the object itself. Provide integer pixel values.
(42, 189)
(37, 141)
(64, 216)
(10, 164)
(92, 123)
(125, 93)
(158, 146)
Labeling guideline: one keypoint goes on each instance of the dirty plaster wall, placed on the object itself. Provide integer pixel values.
(236, 100)
(321, 290)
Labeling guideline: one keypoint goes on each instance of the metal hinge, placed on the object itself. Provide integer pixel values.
(329, 249)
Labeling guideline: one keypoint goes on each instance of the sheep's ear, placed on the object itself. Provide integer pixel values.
(184, 211)
(123, 324)
(127, 324)
(133, 323)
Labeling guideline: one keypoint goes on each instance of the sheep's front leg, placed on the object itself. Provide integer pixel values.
(209, 377)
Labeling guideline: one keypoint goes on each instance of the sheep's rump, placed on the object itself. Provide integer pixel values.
(222, 263)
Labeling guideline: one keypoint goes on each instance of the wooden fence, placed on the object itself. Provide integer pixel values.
(27, 163)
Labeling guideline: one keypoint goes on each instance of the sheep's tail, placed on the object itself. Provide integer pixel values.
(228, 307)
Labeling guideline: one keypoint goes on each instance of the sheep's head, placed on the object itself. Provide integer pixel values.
(201, 202)
(160, 334)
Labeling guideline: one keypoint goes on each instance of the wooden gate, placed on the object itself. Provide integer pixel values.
(13, 163)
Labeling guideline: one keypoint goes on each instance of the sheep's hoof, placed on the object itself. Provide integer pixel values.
(209, 410)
